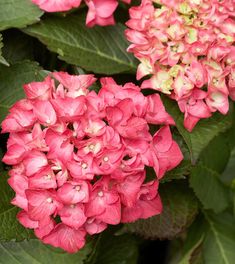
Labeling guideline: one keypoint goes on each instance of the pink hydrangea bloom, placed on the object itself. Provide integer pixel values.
(187, 49)
(57, 5)
(79, 157)
(100, 12)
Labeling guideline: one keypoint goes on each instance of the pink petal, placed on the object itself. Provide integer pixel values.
(65, 237)
(34, 162)
(73, 215)
(24, 219)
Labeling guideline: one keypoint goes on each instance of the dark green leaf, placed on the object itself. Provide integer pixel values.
(115, 250)
(203, 133)
(209, 241)
(216, 155)
(188, 248)
(184, 168)
(34, 252)
(205, 177)
(100, 49)
(230, 134)
(179, 209)
(174, 251)
(1, 156)
(11, 81)
(209, 189)
(18, 13)
(10, 229)
(17, 46)
(179, 173)
(2, 60)
(219, 244)
(192, 248)
(229, 173)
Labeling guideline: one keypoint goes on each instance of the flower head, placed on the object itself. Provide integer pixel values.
(79, 157)
(186, 46)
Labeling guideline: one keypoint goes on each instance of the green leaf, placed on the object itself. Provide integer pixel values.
(113, 249)
(203, 133)
(11, 81)
(229, 173)
(187, 249)
(205, 177)
(179, 210)
(209, 189)
(99, 49)
(174, 251)
(209, 241)
(230, 134)
(216, 155)
(179, 173)
(184, 168)
(1, 156)
(2, 60)
(18, 13)
(192, 248)
(197, 257)
(219, 242)
(10, 229)
(17, 46)
(34, 252)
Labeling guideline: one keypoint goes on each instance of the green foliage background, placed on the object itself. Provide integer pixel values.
(198, 196)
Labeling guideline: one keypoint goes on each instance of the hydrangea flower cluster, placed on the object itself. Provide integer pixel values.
(100, 11)
(79, 158)
(187, 47)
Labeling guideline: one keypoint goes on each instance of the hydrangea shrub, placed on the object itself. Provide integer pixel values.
(117, 128)
(188, 49)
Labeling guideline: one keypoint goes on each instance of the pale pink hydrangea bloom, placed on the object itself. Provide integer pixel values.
(100, 12)
(187, 48)
(79, 157)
